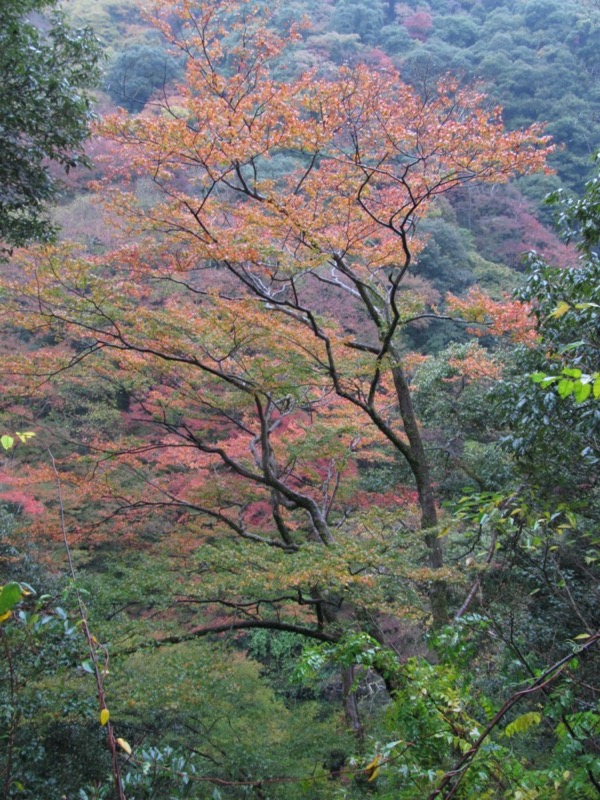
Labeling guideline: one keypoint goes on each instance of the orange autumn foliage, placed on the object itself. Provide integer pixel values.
(508, 317)
(254, 312)
(475, 365)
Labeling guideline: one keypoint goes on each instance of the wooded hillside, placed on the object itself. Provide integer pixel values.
(300, 478)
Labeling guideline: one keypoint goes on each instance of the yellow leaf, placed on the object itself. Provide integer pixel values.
(582, 636)
(560, 310)
(523, 723)
(4, 616)
(372, 768)
(104, 716)
(373, 775)
(124, 746)
(25, 435)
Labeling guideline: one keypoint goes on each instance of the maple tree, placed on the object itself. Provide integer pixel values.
(254, 315)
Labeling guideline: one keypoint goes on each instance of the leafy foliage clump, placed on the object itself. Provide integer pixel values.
(137, 72)
(44, 113)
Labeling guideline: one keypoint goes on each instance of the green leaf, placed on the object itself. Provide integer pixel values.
(7, 441)
(523, 723)
(88, 666)
(571, 346)
(565, 387)
(572, 372)
(582, 391)
(549, 380)
(597, 388)
(10, 596)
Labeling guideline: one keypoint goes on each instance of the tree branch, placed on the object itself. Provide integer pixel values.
(227, 627)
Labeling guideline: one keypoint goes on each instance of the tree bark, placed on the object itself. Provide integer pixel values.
(351, 704)
(420, 468)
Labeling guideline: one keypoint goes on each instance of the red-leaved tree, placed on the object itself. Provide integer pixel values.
(254, 316)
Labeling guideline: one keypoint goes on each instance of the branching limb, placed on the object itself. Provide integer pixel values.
(448, 786)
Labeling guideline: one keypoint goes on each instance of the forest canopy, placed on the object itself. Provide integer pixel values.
(297, 432)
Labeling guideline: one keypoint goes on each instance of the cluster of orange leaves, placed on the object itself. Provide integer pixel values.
(503, 318)
(475, 365)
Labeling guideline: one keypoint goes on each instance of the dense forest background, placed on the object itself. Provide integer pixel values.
(301, 427)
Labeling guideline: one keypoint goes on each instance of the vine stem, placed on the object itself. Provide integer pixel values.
(92, 643)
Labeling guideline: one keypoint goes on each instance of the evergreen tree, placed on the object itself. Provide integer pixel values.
(44, 111)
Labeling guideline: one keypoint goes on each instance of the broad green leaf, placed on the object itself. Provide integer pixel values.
(571, 346)
(597, 388)
(7, 441)
(565, 387)
(582, 391)
(88, 666)
(572, 372)
(10, 596)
